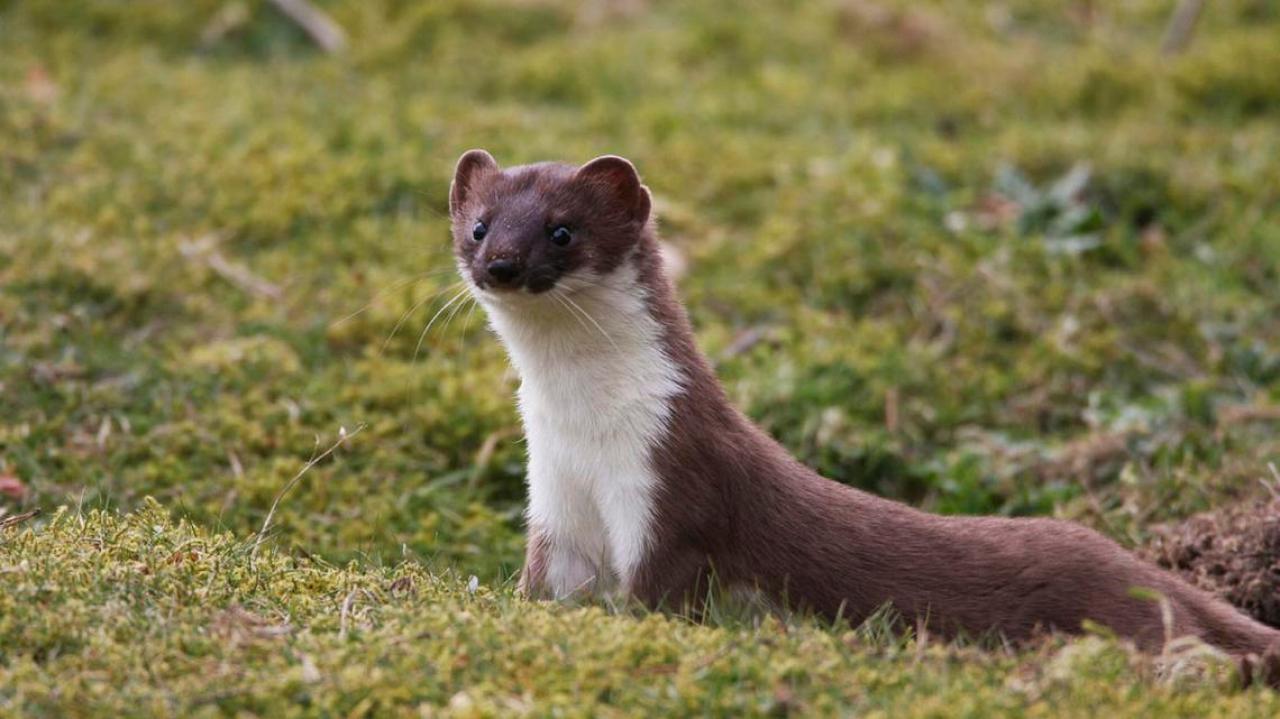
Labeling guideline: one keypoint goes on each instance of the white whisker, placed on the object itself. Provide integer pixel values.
(466, 323)
(434, 317)
(586, 314)
(584, 283)
(559, 300)
(383, 293)
(454, 313)
(409, 312)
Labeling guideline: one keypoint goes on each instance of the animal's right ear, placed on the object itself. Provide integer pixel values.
(473, 166)
(621, 181)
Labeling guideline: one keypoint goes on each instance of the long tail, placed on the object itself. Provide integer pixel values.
(1255, 646)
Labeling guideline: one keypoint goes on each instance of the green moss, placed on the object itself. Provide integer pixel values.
(1232, 77)
(141, 614)
(215, 253)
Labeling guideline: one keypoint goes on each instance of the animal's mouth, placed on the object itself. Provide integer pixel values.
(538, 284)
(533, 284)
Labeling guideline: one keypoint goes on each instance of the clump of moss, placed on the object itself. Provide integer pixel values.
(1233, 552)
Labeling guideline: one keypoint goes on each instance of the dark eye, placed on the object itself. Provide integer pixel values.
(479, 231)
(560, 235)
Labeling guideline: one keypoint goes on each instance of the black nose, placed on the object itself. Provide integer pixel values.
(504, 271)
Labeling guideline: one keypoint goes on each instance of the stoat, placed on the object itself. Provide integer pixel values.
(643, 479)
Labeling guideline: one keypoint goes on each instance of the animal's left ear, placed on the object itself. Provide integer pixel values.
(620, 181)
(473, 166)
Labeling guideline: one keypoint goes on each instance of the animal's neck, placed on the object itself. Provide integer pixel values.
(596, 396)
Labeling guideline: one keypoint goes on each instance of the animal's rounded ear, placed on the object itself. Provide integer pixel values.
(472, 167)
(618, 177)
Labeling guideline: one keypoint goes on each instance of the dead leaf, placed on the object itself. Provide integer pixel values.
(889, 31)
(39, 86)
(995, 211)
(11, 486)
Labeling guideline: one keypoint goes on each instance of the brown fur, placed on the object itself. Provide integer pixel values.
(733, 503)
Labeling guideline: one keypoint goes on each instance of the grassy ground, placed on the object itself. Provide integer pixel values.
(110, 616)
(982, 258)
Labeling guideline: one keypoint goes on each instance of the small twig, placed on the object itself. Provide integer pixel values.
(922, 639)
(241, 277)
(231, 17)
(206, 251)
(347, 603)
(343, 436)
(1181, 26)
(744, 341)
(315, 22)
(1166, 619)
(17, 519)
(485, 455)
(1273, 488)
(1246, 413)
(716, 656)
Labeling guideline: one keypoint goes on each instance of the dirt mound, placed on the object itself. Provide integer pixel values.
(1233, 552)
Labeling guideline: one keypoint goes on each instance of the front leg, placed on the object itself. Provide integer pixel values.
(533, 577)
(555, 569)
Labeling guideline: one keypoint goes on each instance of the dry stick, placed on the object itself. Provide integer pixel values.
(206, 250)
(319, 26)
(241, 277)
(266, 524)
(343, 615)
(17, 519)
(485, 455)
(1273, 488)
(226, 21)
(1181, 26)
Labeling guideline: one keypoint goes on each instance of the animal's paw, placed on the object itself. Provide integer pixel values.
(1264, 669)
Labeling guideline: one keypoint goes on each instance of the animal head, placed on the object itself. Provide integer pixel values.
(531, 228)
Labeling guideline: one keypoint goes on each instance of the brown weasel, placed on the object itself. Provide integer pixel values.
(644, 479)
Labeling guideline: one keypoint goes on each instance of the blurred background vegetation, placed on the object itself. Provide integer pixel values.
(1002, 257)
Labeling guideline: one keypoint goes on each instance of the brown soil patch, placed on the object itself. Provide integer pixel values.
(1233, 552)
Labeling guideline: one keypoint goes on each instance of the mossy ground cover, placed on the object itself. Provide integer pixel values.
(106, 615)
(998, 257)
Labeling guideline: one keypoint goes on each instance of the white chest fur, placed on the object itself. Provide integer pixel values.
(595, 396)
